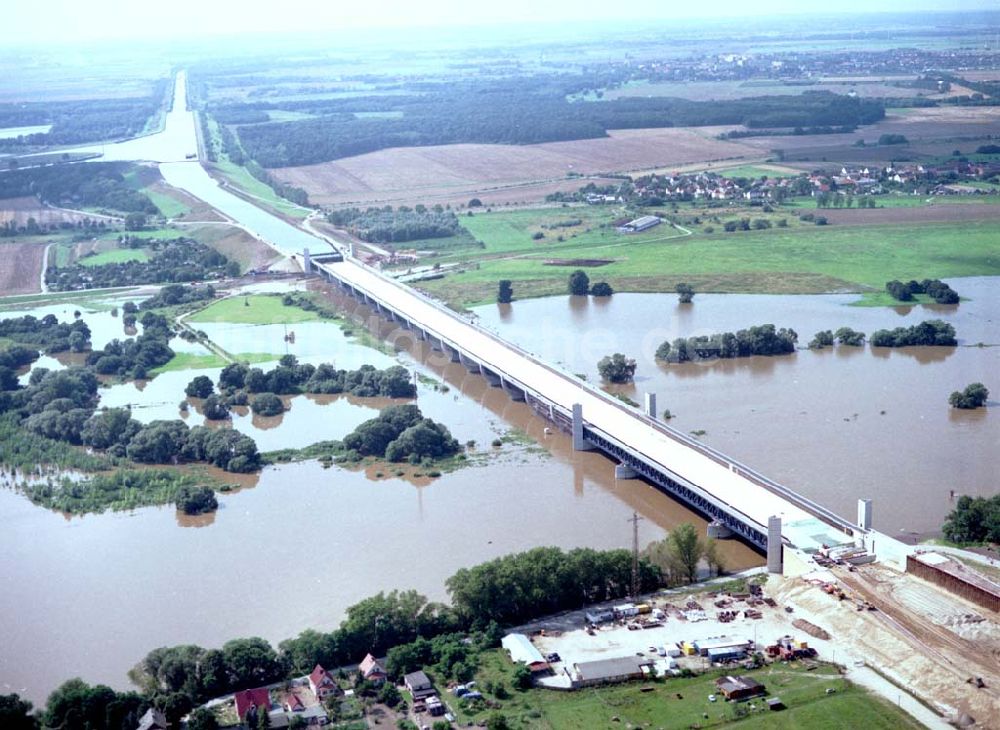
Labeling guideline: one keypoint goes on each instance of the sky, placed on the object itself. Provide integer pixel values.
(61, 20)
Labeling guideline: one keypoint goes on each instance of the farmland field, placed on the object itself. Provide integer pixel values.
(115, 256)
(258, 309)
(21, 267)
(797, 259)
(454, 173)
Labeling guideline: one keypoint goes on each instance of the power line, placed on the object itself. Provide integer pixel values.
(634, 519)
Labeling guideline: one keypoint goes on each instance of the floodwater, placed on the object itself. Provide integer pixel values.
(837, 424)
(299, 543)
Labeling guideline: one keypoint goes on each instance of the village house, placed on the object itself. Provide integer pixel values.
(321, 683)
(153, 720)
(419, 685)
(252, 702)
(372, 671)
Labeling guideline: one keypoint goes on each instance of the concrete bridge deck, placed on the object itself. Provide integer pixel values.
(713, 483)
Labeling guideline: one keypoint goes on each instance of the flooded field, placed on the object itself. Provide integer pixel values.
(299, 543)
(836, 424)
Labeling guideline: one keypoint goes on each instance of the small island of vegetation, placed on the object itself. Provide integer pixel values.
(761, 340)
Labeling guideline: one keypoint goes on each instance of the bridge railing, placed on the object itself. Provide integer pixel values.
(733, 465)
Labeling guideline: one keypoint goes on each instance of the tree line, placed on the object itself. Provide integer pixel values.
(974, 519)
(75, 122)
(934, 288)
(385, 225)
(931, 332)
(528, 111)
(759, 340)
(96, 184)
(174, 260)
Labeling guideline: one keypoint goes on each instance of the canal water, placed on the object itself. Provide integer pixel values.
(835, 424)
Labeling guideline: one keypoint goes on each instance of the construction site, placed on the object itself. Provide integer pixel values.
(929, 644)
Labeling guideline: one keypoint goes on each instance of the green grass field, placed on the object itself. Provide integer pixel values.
(195, 361)
(257, 309)
(169, 206)
(802, 259)
(115, 256)
(683, 703)
(750, 171)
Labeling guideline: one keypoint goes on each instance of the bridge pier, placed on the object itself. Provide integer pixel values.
(492, 378)
(774, 545)
(471, 365)
(579, 443)
(455, 356)
(624, 471)
(650, 405)
(718, 530)
(515, 393)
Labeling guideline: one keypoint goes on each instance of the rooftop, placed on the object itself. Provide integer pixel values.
(608, 668)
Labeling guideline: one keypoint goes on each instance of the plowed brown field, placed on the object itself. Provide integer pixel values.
(503, 173)
(20, 267)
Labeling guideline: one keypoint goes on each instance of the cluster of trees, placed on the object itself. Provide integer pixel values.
(177, 260)
(934, 288)
(515, 588)
(447, 656)
(135, 357)
(685, 293)
(842, 200)
(170, 442)
(47, 333)
(973, 396)
(505, 292)
(617, 368)
(745, 224)
(932, 332)
(974, 519)
(173, 294)
(96, 184)
(196, 500)
(579, 285)
(90, 120)
(523, 110)
(290, 377)
(385, 225)
(889, 139)
(401, 433)
(760, 340)
(844, 335)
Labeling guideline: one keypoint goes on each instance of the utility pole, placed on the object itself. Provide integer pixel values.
(634, 519)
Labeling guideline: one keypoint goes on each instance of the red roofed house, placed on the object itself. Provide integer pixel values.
(371, 670)
(321, 683)
(258, 700)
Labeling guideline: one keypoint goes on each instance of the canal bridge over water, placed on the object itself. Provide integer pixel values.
(736, 498)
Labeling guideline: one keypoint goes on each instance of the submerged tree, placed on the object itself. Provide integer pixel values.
(505, 292)
(974, 396)
(579, 283)
(617, 368)
(685, 293)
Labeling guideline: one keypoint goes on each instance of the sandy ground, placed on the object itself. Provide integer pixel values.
(459, 171)
(921, 636)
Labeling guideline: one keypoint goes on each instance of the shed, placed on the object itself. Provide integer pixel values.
(419, 684)
(606, 671)
(726, 654)
(775, 703)
(522, 651)
(739, 688)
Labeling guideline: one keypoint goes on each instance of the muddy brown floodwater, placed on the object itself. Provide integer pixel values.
(90, 596)
(836, 424)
